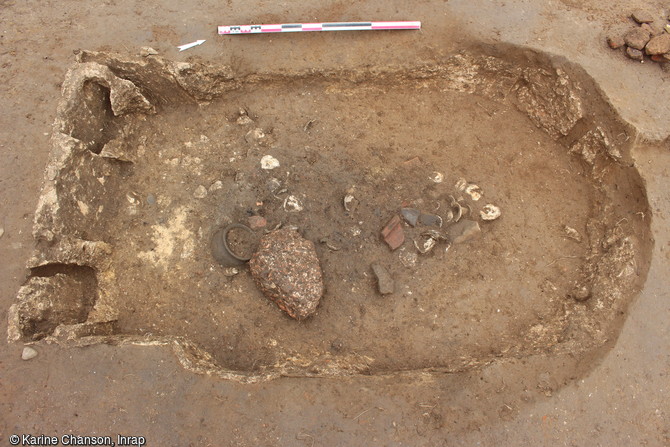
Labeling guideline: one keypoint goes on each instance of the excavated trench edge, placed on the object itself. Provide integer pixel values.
(119, 80)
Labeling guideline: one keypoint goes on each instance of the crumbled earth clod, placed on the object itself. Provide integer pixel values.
(658, 45)
(642, 16)
(637, 38)
(286, 269)
(384, 279)
(393, 233)
(411, 215)
(615, 41)
(28, 353)
(651, 38)
(654, 28)
(634, 54)
(463, 231)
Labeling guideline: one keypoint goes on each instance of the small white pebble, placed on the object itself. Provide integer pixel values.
(200, 192)
(28, 353)
(269, 162)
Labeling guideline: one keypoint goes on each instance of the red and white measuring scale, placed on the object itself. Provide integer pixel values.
(327, 26)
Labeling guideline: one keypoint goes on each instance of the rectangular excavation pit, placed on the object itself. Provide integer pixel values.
(174, 153)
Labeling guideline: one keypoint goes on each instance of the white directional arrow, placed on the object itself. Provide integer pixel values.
(190, 45)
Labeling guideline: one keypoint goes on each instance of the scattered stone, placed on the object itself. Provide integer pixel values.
(463, 231)
(216, 186)
(117, 149)
(147, 51)
(393, 233)
(151, 199)
(490, 212)
(615, 41)
(269, 162)
(642, 16)
(408, 258)
(430, 220)
(329, 243)
(384, 279)
(637, 38)
(411, 215)
(2, 232)
(437, 177)
(286, 269)
(655, 28)
(634, 54)
(244, 120)
(658, 45)
(200, 192)
(273, 184)
(572, 233)
(256, 222)
(28, 353)
(292, 204)
(258, 134)
(581, 292)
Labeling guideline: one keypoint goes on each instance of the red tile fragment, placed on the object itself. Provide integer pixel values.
(393, 233)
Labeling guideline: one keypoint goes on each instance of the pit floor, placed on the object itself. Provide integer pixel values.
(383, 144)
(143, 391)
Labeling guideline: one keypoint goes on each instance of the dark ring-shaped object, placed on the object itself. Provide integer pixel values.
(222, 252)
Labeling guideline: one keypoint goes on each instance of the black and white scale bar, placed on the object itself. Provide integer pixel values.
(327, 26)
